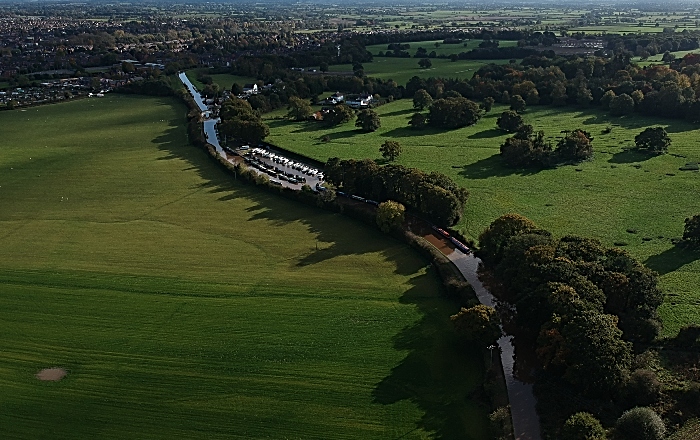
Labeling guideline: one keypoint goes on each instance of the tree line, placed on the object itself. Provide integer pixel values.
(431, 195)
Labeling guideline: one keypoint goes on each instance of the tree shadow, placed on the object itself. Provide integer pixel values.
(487, 134)
(440, 374)
(629, 155)
(672, 259)
(493, 167)
(410, 132)
(409, 111)
(635, 121)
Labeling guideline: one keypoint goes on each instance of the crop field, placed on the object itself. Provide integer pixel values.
(185, 305)
(439, 47)
(403, 69)
(620, 196)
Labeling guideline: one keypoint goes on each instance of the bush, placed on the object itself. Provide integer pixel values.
(582, 426)
(643, 387)
(640, 424)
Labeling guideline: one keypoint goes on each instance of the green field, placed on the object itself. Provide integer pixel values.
(603, 198)
(441, 49)
(403, 69)
(186, 305)
(224, 80)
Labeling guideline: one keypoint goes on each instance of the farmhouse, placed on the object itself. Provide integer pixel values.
(363, 100)
(250, 89)
(335, 98)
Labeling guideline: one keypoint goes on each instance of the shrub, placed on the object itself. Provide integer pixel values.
(582, 426)
(640, 424)
(643, 387)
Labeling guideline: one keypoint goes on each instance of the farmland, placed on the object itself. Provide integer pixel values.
(185, 305)
(619, 197)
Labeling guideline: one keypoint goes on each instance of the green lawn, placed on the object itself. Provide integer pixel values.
(186, 305)
(603, 198)
(403, 69)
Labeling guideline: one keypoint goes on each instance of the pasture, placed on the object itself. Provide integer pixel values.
(636, 201)
(403, 69)
(185, 305)
(224, 80)
(438, 46)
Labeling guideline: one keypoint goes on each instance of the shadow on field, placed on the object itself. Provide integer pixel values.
(410, 132)
(630, 156)
(635, 122)
(439, 374)
(399, 112)
(487, 134)
(672, 259)
(493, 167)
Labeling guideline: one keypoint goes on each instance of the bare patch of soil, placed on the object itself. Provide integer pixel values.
(51, 374)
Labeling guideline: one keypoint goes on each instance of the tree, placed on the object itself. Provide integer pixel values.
(323, 67)
(640, 424)
(299, 109)
(691, 232)
(418, 121)
(517, 103)
(583, 95)
(390, 150)
(425, 63)
(422, 100)
(488, 103)
(606, 99)
(495, 238)
(368, 121)
(576, 145)
(597, 358)
(390, 215)
(510, 121)
(558, 94)
(236, 89)
(582, 426)
(526, 149)
(653, 139)
(454, 113)
(339, 114)
(622, 105)
(479, 324)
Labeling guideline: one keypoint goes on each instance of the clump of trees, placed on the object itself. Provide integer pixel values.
(434, 196)
(527, 149)
(239, 120)
(586, 301)
(653, 140)
(454, 112)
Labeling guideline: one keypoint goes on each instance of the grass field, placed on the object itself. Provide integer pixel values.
(403, 69)
(603, 198)
(185, 305)
(224, 80)
(441, 49)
